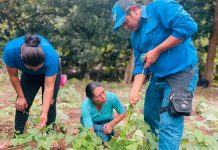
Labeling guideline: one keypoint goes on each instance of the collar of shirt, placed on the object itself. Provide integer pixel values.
(144, 12)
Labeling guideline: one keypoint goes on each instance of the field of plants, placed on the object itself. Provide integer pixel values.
(201, 129)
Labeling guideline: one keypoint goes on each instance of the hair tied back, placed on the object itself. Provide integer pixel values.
(32, 40)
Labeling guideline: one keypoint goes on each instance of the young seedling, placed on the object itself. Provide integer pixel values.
(129, 113)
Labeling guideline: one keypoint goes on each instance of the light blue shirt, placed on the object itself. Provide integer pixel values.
(91, 115)
(12, 57)
(159, 20)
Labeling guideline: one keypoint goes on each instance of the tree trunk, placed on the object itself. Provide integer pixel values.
(99, 71)
(129, 69)
(85, 71)
(208, 74)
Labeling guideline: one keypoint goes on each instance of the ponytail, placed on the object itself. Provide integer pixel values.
(32, 40)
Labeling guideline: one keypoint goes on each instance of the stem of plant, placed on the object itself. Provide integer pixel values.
(128, 116)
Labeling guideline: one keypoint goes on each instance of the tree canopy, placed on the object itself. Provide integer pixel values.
(82, 31)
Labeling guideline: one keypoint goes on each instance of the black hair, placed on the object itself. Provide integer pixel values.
(90, 89)
(32, 40)
(31, 53)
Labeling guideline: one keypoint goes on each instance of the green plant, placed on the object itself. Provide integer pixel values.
(196, 140)
(208, 112)
(44, 138)
(135, 135)
(84, 140)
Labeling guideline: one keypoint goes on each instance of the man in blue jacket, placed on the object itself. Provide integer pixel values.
(161, 36)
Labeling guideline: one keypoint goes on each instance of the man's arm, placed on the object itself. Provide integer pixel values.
(151, 56)
(172, 16)
(136, 88)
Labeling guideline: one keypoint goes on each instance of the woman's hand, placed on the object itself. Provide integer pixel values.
(21, 104)
(107, 128)
(43, 119)
(47, 98)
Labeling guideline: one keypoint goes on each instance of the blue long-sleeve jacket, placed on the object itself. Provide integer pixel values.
(159, 20)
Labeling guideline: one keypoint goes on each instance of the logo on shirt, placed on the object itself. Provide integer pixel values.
(127, 8)
(115, 15)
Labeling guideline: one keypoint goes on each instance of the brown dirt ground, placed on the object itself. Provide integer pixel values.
(210, 94)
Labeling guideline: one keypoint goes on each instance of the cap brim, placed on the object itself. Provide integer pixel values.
(119, 23)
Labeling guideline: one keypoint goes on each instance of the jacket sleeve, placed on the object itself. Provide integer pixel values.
(139, 66)
(175, 18)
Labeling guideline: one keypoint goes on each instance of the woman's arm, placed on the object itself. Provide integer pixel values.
(117, 105)
(117, 119)
(109, 126)
(21, 102)
(47, 98)
(13, 74)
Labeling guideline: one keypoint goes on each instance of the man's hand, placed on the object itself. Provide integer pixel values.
(150, 57)
(108, 128)
(134, 98)
(43, 119)
(21, 104)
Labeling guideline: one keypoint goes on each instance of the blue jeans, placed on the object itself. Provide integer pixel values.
(170, 127)
(99, 131)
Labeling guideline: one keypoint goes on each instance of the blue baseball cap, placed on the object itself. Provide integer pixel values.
(119, 11)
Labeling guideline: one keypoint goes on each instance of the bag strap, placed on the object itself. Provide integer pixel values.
(177, 81)
(164, 109)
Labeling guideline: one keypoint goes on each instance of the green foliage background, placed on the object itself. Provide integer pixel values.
(81, 31)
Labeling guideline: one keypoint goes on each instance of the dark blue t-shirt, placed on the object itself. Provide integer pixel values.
(12, 57)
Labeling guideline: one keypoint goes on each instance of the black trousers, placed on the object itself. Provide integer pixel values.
(30, 86)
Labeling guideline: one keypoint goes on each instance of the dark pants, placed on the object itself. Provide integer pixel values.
(30, 86)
